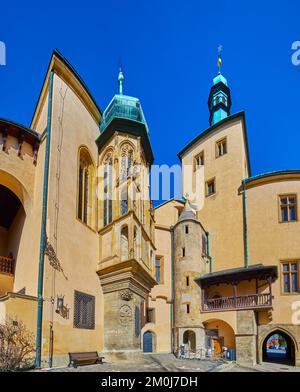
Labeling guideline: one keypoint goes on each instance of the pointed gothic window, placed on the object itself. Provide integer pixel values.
(107, 200)
(85, 185)
(126, 162)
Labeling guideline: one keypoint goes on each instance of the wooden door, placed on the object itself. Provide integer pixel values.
(217, 346)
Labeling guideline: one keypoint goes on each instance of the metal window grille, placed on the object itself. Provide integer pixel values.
(84, 311)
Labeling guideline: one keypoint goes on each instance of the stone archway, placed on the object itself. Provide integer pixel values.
(279, 347)
(189, 340)
(12, 220)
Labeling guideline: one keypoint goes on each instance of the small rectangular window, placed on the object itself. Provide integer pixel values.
(199, 160)
(84, 310)
(183, 252)
(221, 147)
(186, 229)
(187, 281)
(210, 187)
(290, 276)
(288, 208)
(150, 315)
(188, 308)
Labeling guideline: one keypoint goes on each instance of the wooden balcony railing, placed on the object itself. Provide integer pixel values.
(7, 265)
(252, 301)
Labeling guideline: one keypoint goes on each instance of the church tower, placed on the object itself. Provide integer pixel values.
(219, 100)
(189, 263)
(126, 220)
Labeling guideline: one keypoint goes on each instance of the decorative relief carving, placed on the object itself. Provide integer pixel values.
(125, 314)
(126, 295)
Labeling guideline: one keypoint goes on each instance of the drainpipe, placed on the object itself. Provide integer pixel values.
(172, 287)
(43, 231)
(245, 223)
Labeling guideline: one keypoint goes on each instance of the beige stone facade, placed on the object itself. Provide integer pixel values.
(225, 275)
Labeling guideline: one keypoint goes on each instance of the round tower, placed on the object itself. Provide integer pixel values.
(189, 264)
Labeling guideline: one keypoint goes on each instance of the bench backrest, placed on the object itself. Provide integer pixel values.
(82, 356)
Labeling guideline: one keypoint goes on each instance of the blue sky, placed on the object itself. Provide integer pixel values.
(169, 51)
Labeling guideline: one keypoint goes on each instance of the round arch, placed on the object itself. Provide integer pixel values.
(84, 150)
(278, 346)
(14, 185)
(219, 335)
(189, 339)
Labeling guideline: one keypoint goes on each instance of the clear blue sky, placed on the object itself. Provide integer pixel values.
(169, 51)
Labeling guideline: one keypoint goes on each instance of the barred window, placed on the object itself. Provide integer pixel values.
(84, 310)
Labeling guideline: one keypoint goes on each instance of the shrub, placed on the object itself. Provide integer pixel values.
(17, 345)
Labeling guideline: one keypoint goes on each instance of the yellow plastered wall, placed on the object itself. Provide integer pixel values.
(226, 246)
(75, 244)
(160, 296)
(270, 242)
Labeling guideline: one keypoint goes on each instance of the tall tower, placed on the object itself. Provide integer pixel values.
(219, 100)
(126, 221)
(189, 263)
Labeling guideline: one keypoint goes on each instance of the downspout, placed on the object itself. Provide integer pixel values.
(43, 231)
(245, 223)
(172, 287)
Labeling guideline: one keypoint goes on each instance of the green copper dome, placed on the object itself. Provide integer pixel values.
(123, 106)
(219, 78)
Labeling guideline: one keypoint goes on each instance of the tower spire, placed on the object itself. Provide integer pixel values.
(219, 100)
(120, 80)
(220, 48)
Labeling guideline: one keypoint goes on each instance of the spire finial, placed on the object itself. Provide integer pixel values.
(220, 48)
(121, 79)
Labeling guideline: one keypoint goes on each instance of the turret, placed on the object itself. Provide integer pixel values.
(189, 263)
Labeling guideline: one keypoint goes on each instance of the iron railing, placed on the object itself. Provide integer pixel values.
(251, 301)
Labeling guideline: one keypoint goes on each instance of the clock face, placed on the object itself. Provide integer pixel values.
(125, 314)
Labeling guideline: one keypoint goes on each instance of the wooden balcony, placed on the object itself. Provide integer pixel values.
(7, 265)
(251, 301)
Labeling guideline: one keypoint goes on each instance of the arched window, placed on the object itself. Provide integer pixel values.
(124, 244)
(107, 200)
(85, 186)
(126, 161)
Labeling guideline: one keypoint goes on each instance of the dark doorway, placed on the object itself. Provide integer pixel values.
(9, 206)
(189, 340)
(278, 347)
(148, 342)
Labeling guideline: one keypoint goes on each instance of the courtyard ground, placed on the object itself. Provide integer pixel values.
(169, 363)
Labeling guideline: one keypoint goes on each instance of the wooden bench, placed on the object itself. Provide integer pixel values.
(88, 358)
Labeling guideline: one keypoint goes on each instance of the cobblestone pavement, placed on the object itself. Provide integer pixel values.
(168, 363)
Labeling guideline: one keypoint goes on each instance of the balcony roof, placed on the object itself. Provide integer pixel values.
(230, 276)
(17, 130)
